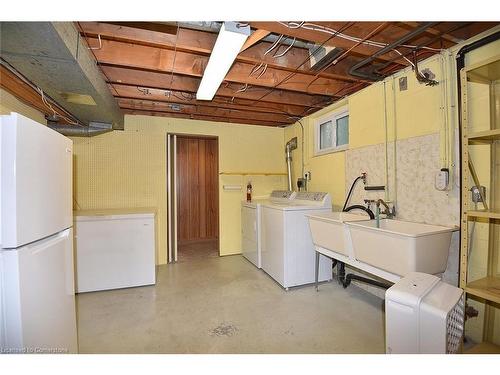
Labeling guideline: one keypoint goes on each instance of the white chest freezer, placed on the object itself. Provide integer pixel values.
(114, 249)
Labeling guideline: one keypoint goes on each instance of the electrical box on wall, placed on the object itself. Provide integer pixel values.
(442, 179)
(403, 84)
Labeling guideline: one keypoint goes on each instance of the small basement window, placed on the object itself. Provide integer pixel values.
(332, 132)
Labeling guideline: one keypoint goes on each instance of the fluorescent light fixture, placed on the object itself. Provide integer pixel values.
(231, 38)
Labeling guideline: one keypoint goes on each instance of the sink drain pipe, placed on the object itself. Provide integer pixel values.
(345, 280)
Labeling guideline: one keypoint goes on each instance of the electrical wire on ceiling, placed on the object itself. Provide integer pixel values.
(345, 53)
(175, 55)
(100, 44)
(345, 27)
(286, 50)
(40, 91)
(328, 30)
(54, 113)
(95, 57)
(244, 88)
(274, 45)
(144, 90)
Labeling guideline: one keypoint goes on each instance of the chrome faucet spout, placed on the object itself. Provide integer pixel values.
(390, 213)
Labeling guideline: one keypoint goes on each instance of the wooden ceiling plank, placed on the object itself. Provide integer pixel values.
(166, 81)
(157, 59)
(149, 26)
(28, 95)
(203, 110)
(434, 32)
(136, 112)
(183, 97)
(254, 38)
(202, 42)
(320, 37)
(213, 117)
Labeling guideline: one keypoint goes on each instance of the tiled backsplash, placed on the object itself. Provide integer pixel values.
(416, 198)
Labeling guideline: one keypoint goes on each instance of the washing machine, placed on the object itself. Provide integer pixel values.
(287, 250)
(251, 224)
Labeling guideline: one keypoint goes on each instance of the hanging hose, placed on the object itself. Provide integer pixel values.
(362, 177)
(363, 208)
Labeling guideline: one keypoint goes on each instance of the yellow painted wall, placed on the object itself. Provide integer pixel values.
(379, 112)
(9, 103)
(418, 111)
(371, 121)
(128, 169)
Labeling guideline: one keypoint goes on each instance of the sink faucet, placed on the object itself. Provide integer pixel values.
(388, 212)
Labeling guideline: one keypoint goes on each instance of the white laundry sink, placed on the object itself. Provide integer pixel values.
(400, 247)
(328, 230)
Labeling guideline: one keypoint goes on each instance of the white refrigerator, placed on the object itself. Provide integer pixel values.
(37, 299)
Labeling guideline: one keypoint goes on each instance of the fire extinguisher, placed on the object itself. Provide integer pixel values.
(249, 191)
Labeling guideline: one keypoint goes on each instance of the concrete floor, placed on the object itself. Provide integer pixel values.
(189, 252)
(226, 305)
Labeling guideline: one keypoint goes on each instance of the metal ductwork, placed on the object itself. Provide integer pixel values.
(93, 129)
(54, 57)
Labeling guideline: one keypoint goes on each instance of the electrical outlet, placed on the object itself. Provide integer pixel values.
(476, 195)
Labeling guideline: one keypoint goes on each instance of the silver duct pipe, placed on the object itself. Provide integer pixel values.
(290, 146)
(94, 128)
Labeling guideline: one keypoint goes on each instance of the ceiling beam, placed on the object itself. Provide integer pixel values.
(167, 61)
(28, 95)
(183, 97)
(149, 26)
(204, 110)
(254, 38)
(202, 42)
(164, 113)
(143, 78)
(359, 30)
(434, 32)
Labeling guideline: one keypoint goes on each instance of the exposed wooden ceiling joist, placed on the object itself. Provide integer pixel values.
(168, 81)
(200, 117)
(28, 95)
(151, 71)
(190, 64)
(183, 97)
(204, 110)
(321, 37)
(202, 43)
(149, 26)
(254, 38)
(434, 32)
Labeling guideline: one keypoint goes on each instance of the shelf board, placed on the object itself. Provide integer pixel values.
(487, 135)
(484, 348)
(487, 288)
(486, 71)
(484, 213)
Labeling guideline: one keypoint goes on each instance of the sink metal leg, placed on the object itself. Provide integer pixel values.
(316, 271)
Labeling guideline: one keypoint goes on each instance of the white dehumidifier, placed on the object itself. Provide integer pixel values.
(423, 315)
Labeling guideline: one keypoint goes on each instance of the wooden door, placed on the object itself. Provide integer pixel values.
(197, 189)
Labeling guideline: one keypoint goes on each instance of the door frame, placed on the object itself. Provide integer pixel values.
(172, 201)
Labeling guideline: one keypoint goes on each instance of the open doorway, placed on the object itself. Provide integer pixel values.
(195, 198)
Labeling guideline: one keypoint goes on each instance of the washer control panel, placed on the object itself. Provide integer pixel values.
(283, 195)
(314, 198)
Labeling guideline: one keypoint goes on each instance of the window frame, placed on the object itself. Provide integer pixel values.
(333, 117)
